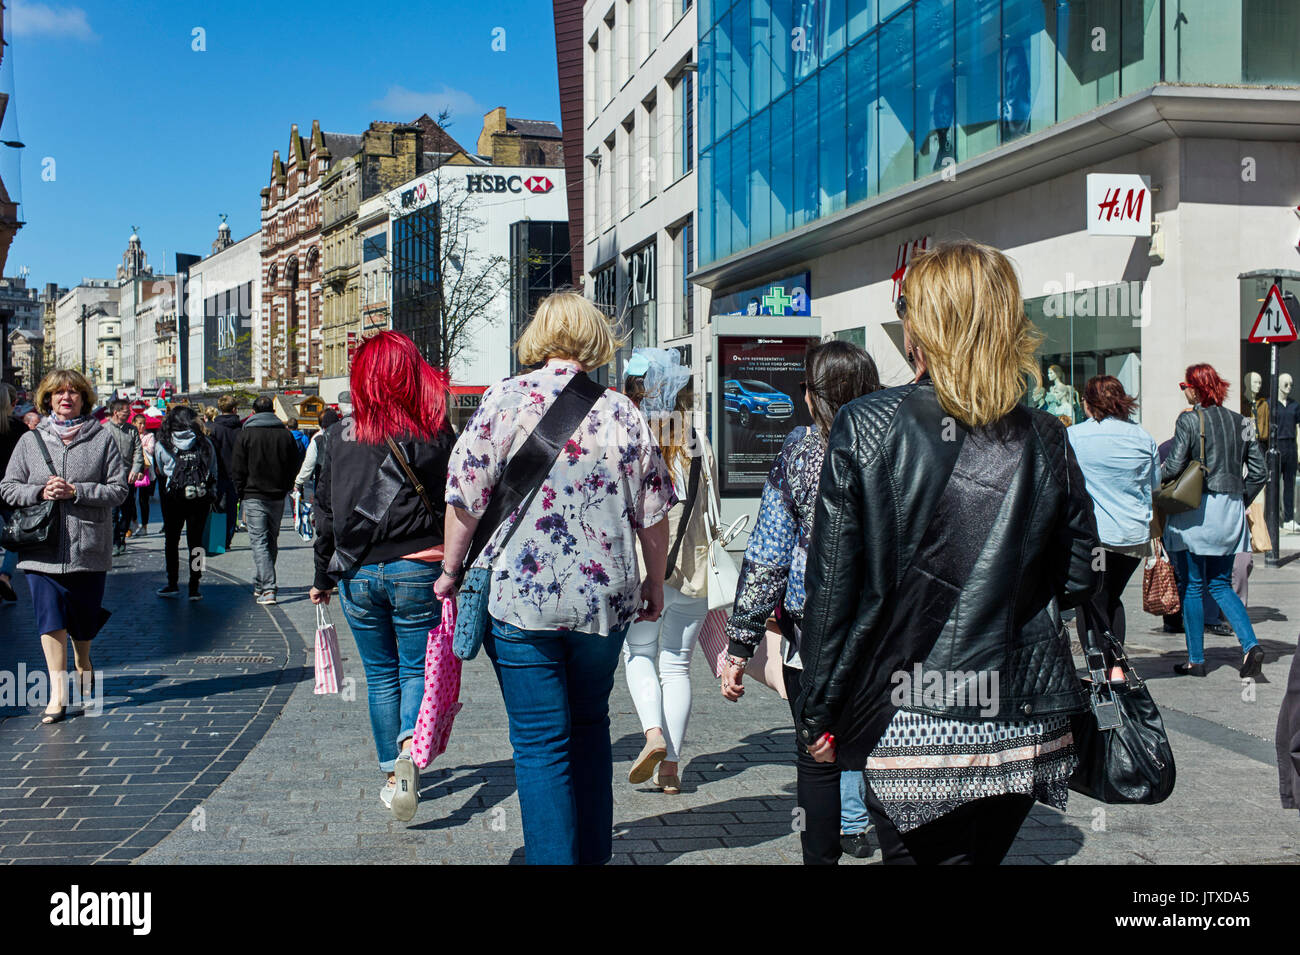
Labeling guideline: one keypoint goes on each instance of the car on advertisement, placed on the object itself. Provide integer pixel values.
(747, 398)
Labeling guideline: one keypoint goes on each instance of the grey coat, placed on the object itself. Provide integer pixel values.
(94, 466)
(128, 445)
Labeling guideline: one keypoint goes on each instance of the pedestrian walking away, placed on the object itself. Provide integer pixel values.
(185, 464)
(565, 588)
(772, 584)
(1215, 530)
(305, 480)
(224, 429)
(263, 464)
(144, 485)
(72, 460)
(664, 393)
(1121, 465)
(132, 451)
(949, 492)
(11, 429)
(379, 534)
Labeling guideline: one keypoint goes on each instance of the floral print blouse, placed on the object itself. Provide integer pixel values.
(772, 571)
(572, 564)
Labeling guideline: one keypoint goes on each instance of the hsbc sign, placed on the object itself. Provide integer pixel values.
(486, 182)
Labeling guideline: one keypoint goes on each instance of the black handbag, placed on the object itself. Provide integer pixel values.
(30, 526)
(1124, 753)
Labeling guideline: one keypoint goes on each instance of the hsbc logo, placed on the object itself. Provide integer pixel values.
(485, 182)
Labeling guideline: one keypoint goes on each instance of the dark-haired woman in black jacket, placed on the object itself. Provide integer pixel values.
(186, 466)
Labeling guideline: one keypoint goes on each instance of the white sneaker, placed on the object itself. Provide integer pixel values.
(407, 776)
(267, 597)
(386, 794)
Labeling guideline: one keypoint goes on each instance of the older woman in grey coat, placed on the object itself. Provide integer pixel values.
(66, 573)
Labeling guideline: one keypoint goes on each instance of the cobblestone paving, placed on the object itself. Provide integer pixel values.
(247, 765)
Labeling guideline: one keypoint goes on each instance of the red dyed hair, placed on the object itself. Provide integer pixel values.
(1107, 399)
(395, 392)
(1205, 381)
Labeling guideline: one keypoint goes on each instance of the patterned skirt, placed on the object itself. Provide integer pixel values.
(926, 766)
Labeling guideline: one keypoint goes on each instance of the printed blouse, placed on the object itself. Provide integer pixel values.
(772, 571)
(572, 564)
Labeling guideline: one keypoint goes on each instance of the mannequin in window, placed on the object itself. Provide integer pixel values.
(1255, 407)
(1287, 416)
(1058, 398)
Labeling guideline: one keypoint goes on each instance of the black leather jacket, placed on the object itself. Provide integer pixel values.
(888, 461)
(1229, 444)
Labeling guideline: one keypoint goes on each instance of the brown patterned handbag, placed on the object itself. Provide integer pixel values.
(1159, 585)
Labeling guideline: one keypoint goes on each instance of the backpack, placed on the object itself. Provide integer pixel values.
(191, 476)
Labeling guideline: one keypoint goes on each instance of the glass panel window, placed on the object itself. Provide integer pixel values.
(1028, 69)
(707, 92)
(831, 141)
(805, 38)
(783, 164)
(1088, 50)
(936, 95)
(722, 198)
(650, 163)
(832, 29)
(1270, 41)
(741, 52)
(978, 82)
(760, 41)
(861, 18)
(1139, 45)
(895, 113)
(782, 39)
(1204, 42)
(862, 102)
(806, 149)
(704, 189)
(688, 125)
(760, 178)
(722, 65)
(889, 7)
(740, 160)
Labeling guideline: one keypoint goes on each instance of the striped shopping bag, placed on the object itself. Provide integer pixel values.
(328, 670)
(765, 665)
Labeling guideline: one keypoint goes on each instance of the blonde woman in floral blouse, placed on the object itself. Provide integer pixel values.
(566, 587)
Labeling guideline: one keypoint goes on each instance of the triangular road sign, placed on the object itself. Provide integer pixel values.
(1274, 324)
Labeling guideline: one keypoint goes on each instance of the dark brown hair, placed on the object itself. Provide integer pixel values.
(1107, 399)
(838, 372)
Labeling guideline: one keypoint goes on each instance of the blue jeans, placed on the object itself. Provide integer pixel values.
(556, 686)
(854, 817)
(1213, 573)
(391, 609)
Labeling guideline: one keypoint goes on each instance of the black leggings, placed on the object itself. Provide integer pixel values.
(976, 833)
(1119, 569)
(818, 789)
(190, 516)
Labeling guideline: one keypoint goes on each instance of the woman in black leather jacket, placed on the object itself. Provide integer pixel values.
(952, 523)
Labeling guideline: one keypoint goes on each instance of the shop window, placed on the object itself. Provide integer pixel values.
(936, 94)
(862, 102)
(1028, 69)
(895, 105)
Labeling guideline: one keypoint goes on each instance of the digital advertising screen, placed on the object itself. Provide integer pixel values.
(760, 402)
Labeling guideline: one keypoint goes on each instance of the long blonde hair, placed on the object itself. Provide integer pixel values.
(964, 310)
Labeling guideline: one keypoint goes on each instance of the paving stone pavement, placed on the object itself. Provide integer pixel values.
(306, 788)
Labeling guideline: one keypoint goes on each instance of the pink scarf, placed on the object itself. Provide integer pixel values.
(68, 430)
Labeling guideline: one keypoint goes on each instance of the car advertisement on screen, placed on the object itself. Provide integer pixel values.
(760, 395)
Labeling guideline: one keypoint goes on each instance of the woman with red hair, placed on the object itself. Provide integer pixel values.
(379, 523)
(1215, 531)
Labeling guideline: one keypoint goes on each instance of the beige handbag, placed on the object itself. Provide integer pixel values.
(1183, 493)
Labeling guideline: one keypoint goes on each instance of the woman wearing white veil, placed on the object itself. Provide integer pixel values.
(661, 386)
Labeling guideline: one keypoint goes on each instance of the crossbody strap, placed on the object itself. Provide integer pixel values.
(415, 481)
(1200, 414)
(45, 452)
(692, 491)
(527, 469)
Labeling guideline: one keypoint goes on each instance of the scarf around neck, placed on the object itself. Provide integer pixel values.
(68, 430)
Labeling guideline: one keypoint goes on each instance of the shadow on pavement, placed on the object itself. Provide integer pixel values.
(495, 783)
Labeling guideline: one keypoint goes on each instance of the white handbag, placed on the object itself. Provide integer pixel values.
(723, 574)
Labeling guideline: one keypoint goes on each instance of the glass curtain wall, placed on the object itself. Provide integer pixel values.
(809, 106)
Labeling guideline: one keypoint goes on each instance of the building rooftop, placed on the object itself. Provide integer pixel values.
(538, 128)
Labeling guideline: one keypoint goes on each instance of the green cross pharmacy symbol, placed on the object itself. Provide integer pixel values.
(777, 300)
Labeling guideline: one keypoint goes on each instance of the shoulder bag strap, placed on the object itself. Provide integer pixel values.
(415, 482)
(692, 491)
(527, 469)
(45, 451)
(1200, 414)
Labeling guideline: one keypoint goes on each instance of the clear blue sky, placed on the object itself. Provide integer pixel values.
(145, 131)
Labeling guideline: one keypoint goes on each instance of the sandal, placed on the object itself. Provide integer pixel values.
(49, 719)
(670, 783)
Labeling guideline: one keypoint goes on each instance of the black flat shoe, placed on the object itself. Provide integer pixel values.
(1253, 665)
(49, 719)
(856, 845)
(7, 591)
(1190, 669)
(1168, 629)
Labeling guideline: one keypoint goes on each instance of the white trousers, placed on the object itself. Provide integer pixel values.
(663, 698)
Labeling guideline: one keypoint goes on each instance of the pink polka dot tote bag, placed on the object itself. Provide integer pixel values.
(441, 700)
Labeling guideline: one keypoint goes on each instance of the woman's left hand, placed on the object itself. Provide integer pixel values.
(824, 749)
(319, 596)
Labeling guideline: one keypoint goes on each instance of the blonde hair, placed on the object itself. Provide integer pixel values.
(59, 379)
(566, 325)
(965, 312)
(673, 431)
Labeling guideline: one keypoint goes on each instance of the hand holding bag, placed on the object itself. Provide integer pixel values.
(1124, 753)
(31, 525)
(1159, 586)
(1183, 493)
(441, 700)
(328, 671)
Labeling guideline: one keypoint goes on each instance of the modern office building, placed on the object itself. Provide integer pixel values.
(1132, 159)
(224, 337)
(638, 204)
